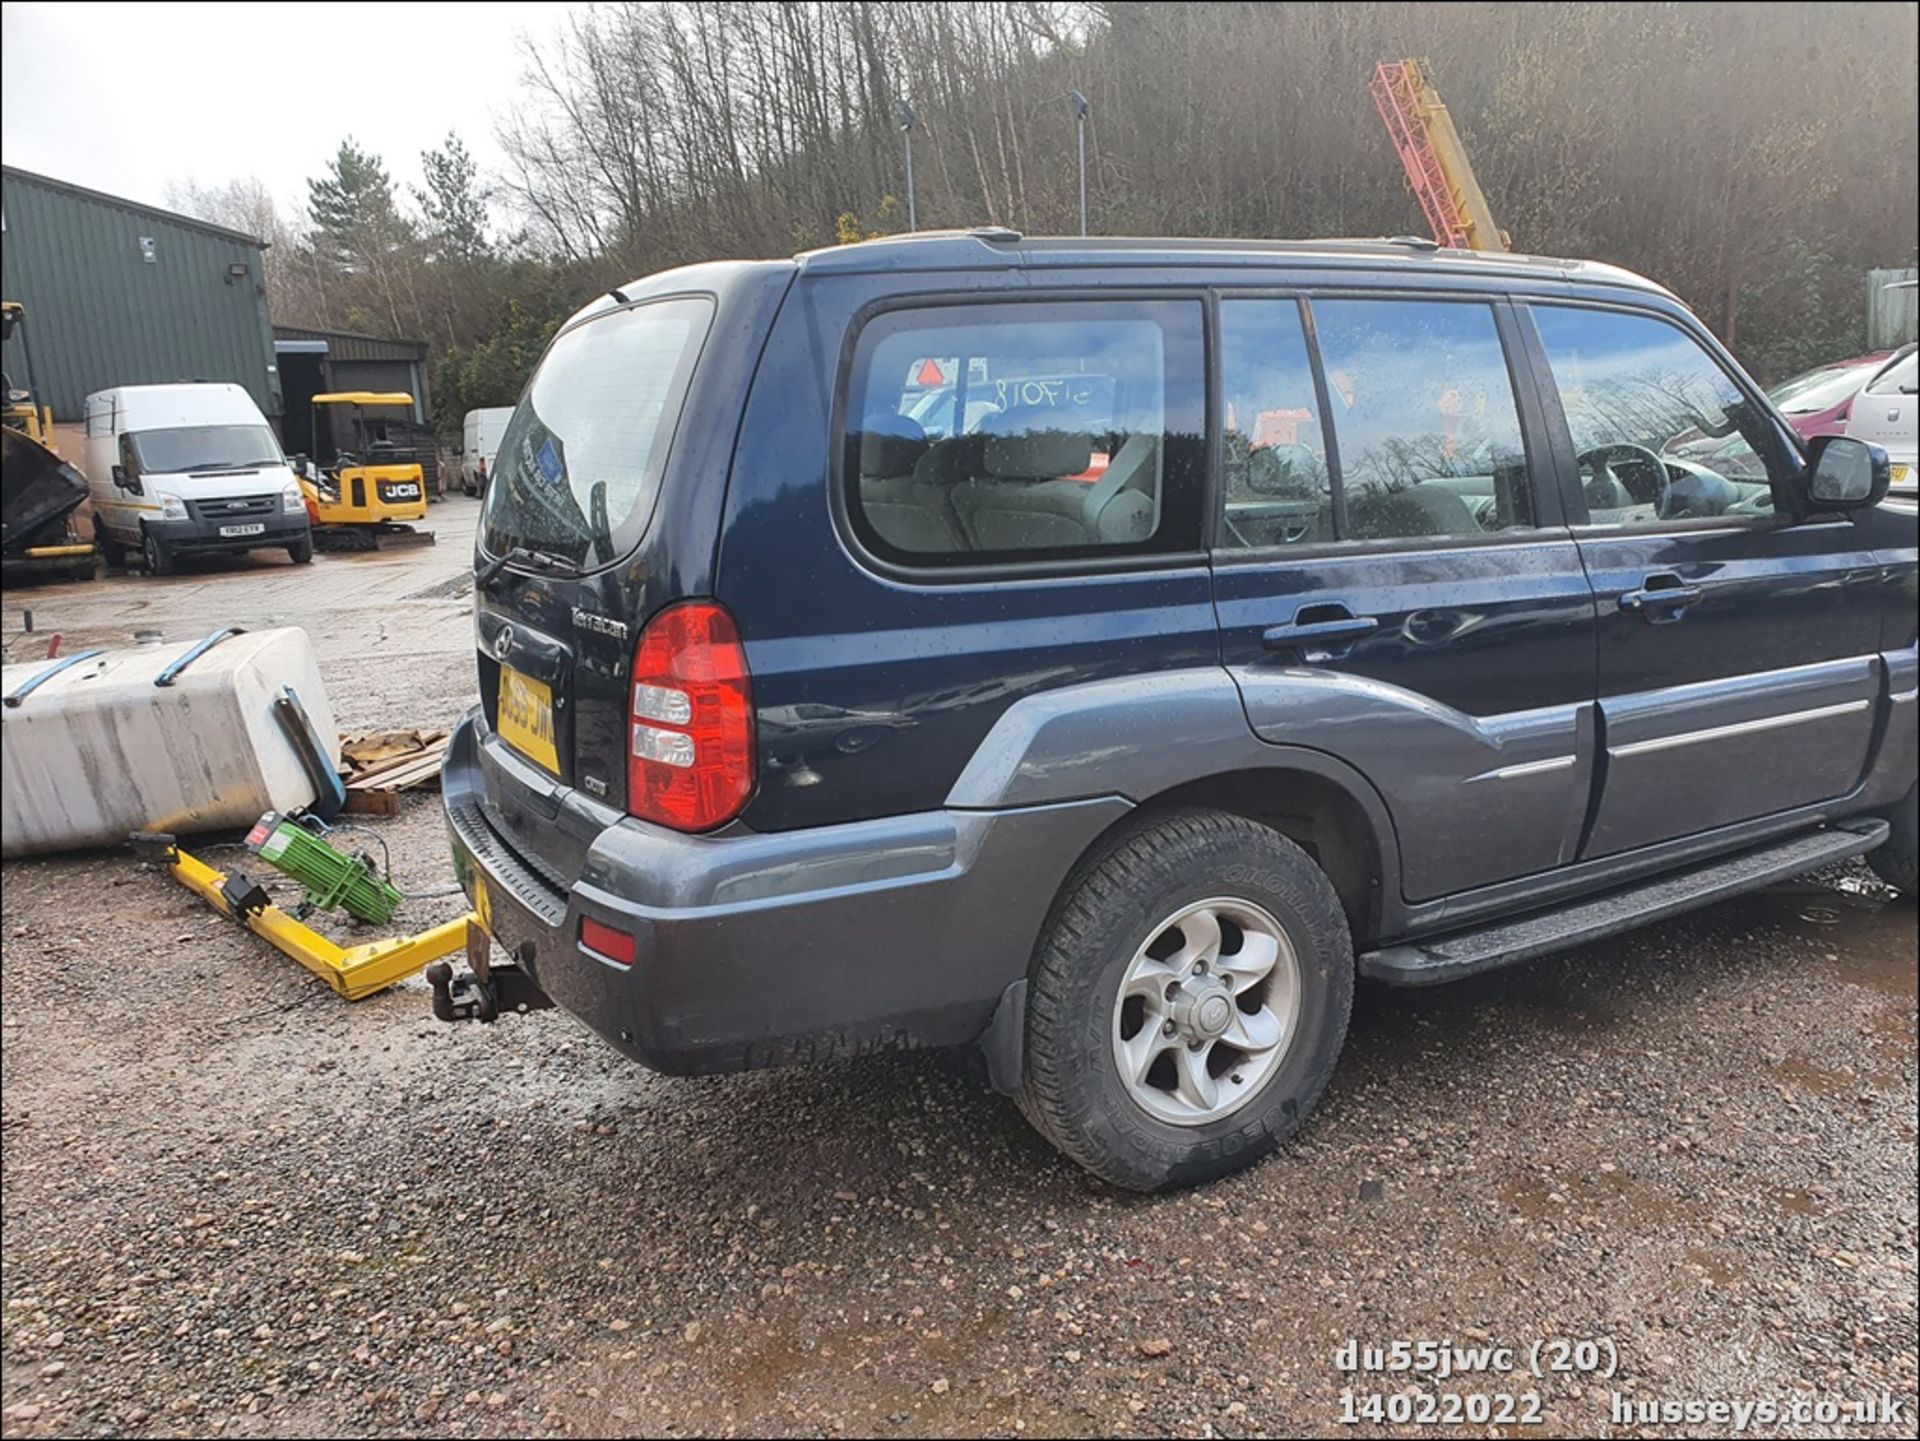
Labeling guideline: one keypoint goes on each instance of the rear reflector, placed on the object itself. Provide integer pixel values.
(689, 720)
(606, 941)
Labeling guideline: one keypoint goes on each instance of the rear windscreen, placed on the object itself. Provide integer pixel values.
(579, 466)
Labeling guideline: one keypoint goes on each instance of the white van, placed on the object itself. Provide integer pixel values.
(177, 470)
(483, 431)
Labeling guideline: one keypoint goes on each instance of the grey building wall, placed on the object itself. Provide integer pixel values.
(351, 361)
(119, 293)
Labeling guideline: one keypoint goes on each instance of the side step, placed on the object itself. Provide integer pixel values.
(1428, 963)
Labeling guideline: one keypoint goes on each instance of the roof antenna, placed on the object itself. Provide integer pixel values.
(619, 295)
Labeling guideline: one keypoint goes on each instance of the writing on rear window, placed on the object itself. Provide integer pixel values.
(1028, 430)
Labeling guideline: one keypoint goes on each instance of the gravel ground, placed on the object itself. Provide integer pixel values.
(235, 1203)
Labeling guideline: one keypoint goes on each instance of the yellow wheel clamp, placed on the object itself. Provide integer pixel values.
(354, 972)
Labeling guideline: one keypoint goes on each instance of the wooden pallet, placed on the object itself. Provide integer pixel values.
(374, 788)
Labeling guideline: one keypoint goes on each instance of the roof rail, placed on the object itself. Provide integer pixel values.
(1001, 234)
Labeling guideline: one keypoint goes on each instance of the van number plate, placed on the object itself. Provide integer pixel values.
(526, 717)
(243, 529)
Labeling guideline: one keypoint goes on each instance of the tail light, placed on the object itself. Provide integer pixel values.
(690, 725)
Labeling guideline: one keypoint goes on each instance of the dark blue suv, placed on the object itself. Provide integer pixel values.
(1101, 651)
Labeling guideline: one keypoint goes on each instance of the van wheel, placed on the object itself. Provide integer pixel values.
(157, 554)
(1187, 1002)
(111, 551)
(1897, 860)
(301, 551)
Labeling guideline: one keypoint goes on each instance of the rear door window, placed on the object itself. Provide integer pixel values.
(1046, 429)
(1419, 435)
(1424, 419)
(1279, 488)
(579, 467)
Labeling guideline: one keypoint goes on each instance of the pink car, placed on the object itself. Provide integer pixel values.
(1818, 401)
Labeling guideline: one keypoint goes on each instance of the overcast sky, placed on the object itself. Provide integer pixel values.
(127, 98)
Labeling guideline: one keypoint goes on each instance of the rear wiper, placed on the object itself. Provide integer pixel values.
(521, 555)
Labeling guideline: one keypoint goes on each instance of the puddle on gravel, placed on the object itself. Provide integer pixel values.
(1801, 1203)
(1868, 935)
(1803, 1075)
(1542, 1198)
(1714, 1267)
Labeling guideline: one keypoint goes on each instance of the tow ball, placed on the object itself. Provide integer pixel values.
(485, 990)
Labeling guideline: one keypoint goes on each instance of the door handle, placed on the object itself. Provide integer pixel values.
(1318, 623)
(1660, 596)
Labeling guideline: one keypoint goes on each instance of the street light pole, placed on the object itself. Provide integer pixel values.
(903, 112)
(1080, 109)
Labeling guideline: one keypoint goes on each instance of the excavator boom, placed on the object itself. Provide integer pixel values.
(1438, 171)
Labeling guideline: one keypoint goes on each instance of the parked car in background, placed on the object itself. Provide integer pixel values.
(480, 445)
(1883, 414)
(1818, 401)
(177, 470)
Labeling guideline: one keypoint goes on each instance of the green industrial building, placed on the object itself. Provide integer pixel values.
(119, 293)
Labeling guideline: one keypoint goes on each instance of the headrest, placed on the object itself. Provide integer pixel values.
(890, 444)
(1027, 442)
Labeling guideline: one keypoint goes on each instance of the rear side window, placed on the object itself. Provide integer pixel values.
(1015, 432)
(579, 465)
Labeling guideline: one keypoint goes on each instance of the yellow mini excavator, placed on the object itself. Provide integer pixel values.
(374, 485)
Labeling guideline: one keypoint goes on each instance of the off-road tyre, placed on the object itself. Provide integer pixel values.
(1072, 1091)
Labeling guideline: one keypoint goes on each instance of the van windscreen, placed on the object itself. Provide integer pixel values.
(579, 466)
(204, 447)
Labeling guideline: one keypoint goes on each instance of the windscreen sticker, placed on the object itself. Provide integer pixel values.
(551, 466)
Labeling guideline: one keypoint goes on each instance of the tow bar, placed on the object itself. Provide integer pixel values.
(485, 990)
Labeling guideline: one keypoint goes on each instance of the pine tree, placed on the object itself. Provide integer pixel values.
(454, 203)
(354, 215)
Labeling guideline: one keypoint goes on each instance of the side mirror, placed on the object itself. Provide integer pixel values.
(125, 481)
(1845, 474)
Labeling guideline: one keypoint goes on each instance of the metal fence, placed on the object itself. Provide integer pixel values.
(1891, 313)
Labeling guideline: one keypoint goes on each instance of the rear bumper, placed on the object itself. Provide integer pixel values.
(189, 537)
(755, 949)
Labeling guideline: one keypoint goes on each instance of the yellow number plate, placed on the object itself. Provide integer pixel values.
(1899, 474)
(526, 717)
